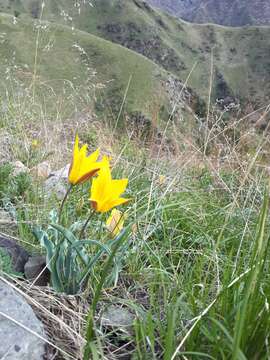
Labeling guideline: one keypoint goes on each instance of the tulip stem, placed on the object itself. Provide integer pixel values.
(86, 223)
(63, 202)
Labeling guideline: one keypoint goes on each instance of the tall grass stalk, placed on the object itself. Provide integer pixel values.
(90, 348)
(247, 308)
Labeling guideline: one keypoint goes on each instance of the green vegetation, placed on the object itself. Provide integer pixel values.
(195, 268)
(12, 188)
(6, 263)
(192, 263)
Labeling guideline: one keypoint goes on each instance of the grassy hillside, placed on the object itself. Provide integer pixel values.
(241, 59)
(55, 58)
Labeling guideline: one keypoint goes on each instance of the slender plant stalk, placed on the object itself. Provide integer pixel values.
(36, 53)
(257, 263)
(63, 203)
(90, 330)
(86, 223)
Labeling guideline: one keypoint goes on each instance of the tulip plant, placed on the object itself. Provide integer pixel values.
(67, 251)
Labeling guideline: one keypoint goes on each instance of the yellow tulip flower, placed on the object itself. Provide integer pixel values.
(115, 222)
(105, 192)
(83, 167)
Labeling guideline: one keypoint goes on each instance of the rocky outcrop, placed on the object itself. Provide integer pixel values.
(153, 47)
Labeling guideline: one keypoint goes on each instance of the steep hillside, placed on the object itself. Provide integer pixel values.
(72, 59)
(241, 60)
(223, 12)
(241, 56)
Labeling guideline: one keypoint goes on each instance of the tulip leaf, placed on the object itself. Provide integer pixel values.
(56, 279)
(71, 239)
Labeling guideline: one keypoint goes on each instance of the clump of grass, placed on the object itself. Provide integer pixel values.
(13, 188)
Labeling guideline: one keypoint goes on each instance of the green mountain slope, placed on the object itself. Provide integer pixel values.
(78, 59)
(241, 60)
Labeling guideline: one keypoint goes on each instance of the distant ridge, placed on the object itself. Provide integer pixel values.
(223, 12)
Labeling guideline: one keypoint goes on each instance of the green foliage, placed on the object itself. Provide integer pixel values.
(68, 257)
(90, 328)
(191, 255)
(6, 266)
(13, 188)
(251, 306)
(5, 172)
(5, 262)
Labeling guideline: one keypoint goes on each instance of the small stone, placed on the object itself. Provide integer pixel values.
(62, 173)
(19, 168)
(17, 253)
(35, 270)
(118, 317)
(55, 186)
(18, 343)
(42, 170)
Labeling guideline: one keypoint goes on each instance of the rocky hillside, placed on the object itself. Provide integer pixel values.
(223, 12)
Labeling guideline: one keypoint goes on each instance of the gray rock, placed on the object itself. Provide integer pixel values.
(57, 182)
(35, 270)
(118, 317)
(16, 342)
(55, 186)
(61, 173)
(18, 254)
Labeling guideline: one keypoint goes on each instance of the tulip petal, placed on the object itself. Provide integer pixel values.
(87, 176)
(105, 192)
(82, 167)
(94, 156)
(110, 204)
(118, 186)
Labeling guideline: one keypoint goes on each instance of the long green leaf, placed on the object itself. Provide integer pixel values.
(71, 239)
(90, 332)
(256, 268)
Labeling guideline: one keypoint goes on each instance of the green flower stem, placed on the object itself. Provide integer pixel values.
(86, 223)
(63, 203)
